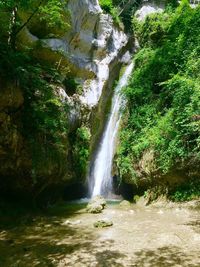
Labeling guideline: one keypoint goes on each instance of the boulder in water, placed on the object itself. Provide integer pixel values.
(100, 200)
(125, 203)
(94, 208)
(103, 223)
(96, 205)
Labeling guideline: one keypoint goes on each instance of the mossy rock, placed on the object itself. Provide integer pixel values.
(136, 198)
(125, 203)
(96, 205)
(100, 200)
(103, 223)
(94, 208)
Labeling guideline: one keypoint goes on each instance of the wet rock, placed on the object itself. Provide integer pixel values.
(148, 8)
(142, 201)
(96, 205)
(94, 208)
(76, 222)
(136, 198)
(103, 223)
(100, 200)
(67, 222)
(131, 211)
(125, 203)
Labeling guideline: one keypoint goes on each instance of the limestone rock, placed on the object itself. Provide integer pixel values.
(125, 203)
(26, 39)
(96, 205)
(103, 223)
(88, 47)
(99, 200)
(93, 43)
(68, 222)
(94, 208)
(148, 8)
(142, 201)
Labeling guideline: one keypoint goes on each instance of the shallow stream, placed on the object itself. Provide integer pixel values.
(64, 235)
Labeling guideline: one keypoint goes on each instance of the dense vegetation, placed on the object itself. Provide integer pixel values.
(121, 11)
(161, 124)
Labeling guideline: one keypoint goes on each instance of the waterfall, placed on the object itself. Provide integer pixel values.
(101, 169)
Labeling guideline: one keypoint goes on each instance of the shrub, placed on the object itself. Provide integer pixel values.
(106, 5)
(163, 95)
(81, 150)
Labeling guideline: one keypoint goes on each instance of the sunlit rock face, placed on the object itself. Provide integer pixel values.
(149, 7)
(88, 51)
(93, 43)
(90, 48)
(87, 48)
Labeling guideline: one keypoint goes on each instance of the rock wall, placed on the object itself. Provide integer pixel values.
(91, 49)
(91, 44)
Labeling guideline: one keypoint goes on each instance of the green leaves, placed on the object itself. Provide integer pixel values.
(54, 13)
(19, 14)
(43, 120)
(163, 96)
(81, 150)
(106, 5)
(109, 7)
(186, 192)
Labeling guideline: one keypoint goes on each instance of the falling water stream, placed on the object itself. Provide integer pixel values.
(101, 169)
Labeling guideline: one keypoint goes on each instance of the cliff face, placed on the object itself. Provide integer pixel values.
(91, 44)
(90, 49)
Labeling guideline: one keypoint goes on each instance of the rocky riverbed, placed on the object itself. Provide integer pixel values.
(159, 235)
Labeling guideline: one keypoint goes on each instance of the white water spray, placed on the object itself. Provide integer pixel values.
(101, 170)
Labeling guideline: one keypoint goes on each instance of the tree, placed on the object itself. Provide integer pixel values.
(51, 11)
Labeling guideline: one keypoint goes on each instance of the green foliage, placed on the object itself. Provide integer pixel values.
(19, 13)
(81, 150)
(54, 14)
(47, 132)
(186, 192)
(72, 86)
(136, 198)
(163, 97)
(44, 115)
(109, 7)
(9, 4)
(10, 22)
(153, 31)
(126, 10)
(106, 5)
(121, 11)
